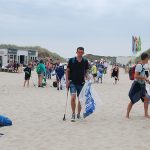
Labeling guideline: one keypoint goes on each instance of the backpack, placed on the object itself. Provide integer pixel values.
(55, 84)
(132, 72)
(38, 70)
(4, 121)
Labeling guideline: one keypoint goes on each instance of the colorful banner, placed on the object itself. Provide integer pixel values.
(136, 44)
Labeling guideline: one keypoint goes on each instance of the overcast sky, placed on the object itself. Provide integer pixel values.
(103, 27)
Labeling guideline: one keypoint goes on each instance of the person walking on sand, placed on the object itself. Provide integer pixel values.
(105, 67)
(94, 72)
(59, 74)
(41, 71)
(100, 72)
(115, 74)
(77, 71)
(27, 71)
(48, 65)
(138, 88)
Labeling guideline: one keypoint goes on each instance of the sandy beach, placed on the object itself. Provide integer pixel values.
(37, 118)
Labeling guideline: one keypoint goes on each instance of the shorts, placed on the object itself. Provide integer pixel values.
(116, 78)
(99, 75)
(137, 92)
(94, 75)
(58, 78)
(27, 78)
(75, 89)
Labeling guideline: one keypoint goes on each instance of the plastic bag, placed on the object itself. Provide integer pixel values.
(63, 82)
(148, 91)
(148, 88)
(88, 98)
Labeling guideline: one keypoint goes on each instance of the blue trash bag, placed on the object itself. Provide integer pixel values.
(4, 121)
(87, 99)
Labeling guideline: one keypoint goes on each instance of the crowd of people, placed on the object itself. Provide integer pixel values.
(45, 69)
(80, 69)
(77, 71)
(17, 67)
(14, 66)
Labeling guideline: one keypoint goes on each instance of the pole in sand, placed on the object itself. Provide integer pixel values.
(64, 118)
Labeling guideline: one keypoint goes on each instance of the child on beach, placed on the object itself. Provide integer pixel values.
(105, 67)
(59, 74)
(115, 74)
(27, 71)
(100, 73)
(94, 72)
(138, 88)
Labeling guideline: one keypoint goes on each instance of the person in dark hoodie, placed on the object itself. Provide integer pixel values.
(59, 74)
(27, 71)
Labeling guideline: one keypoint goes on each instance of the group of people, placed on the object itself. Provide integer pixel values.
(78, 70)
(15, 66)
(98, 69)
(44, 71)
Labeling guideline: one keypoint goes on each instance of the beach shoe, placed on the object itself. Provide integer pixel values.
(78, 116)
(73, 118)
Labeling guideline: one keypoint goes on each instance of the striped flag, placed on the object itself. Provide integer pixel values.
(139, 44)
(133, 44)
(136, 44)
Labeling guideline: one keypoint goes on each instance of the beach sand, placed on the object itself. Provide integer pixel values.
(37, 115)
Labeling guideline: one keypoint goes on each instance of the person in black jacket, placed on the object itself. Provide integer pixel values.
(76, 73)
(27, 71)
(115, 74)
